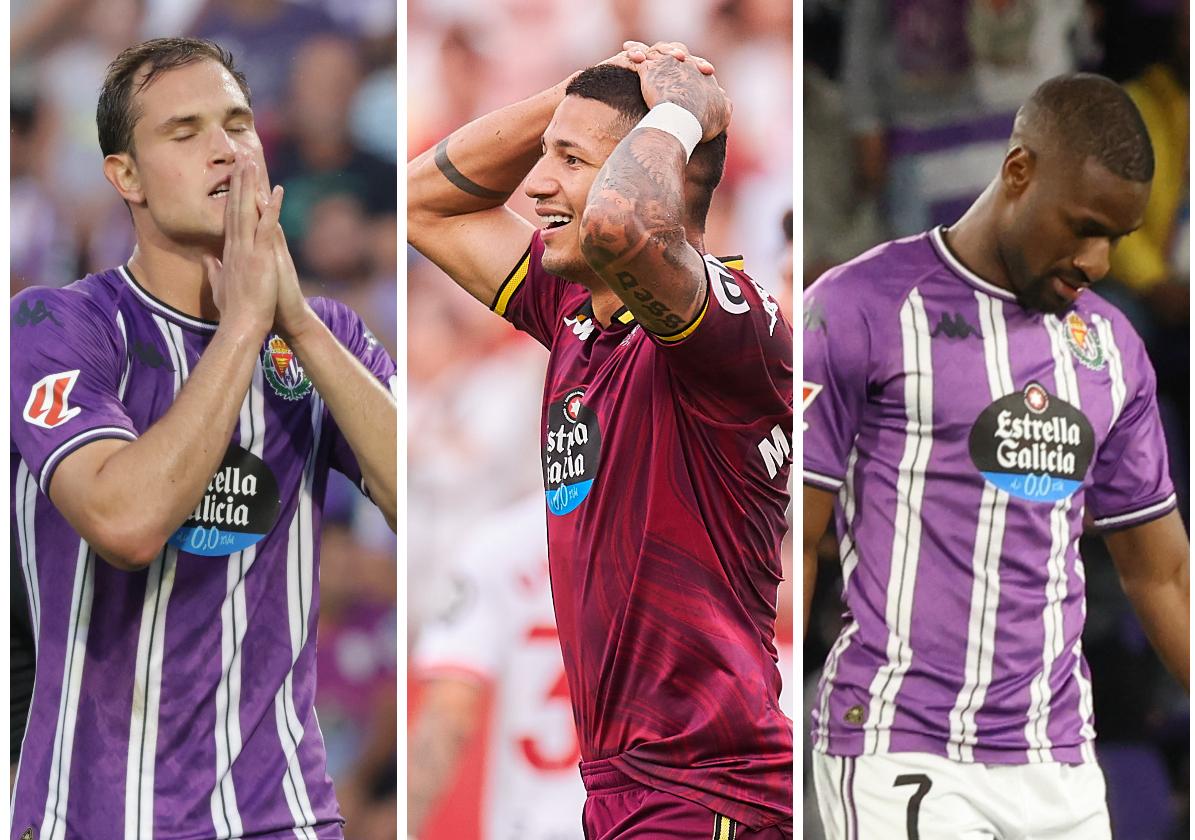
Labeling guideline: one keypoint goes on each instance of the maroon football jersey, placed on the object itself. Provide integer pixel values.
(666, 465)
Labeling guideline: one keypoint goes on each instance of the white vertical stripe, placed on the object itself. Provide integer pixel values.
(141, 760)
(850, 559)
(1118, 389)
(985, 558)
(26, 502)
(54, 819)
(1053, 630)
(234, 622)
(300, 564)
(128, 364)
(906, 540)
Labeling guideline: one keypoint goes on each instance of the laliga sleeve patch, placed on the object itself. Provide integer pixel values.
(1033, 445)
(238, 508)
(48, 404)
(572, 452)
(809, 392)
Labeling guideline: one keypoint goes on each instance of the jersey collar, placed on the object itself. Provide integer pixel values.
(938, 240)
(162, 308)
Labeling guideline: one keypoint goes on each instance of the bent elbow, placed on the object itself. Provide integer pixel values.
(130, 547)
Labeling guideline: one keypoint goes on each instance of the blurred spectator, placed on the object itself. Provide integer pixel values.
(498, 635)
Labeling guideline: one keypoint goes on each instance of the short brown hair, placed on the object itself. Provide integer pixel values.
(116, 115)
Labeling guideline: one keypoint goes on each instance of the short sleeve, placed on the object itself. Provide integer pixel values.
(68, 360)
(834, 386)
(530, 298)
(735, 359)
(1130, 480)
(351, 331)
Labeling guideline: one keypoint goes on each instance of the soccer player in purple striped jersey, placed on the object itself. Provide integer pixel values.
(173, 424)
(666, 420)
(968, 406)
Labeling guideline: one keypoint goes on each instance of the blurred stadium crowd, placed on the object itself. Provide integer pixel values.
(475, 385)
(322, 75)
(907, 108)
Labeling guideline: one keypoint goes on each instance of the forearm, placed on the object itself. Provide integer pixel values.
(365, 412)
(808, 584)
(479, 165)
(447, 720)
(144, 491)
(1163, 606)
(633, 234)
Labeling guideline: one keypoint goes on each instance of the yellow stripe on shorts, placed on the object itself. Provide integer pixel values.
(724, 828)
(511, 284)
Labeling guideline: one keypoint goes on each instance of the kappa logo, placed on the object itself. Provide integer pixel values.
(955, 326)
(48, 404)
(1084, 342)
(809, 392)
(27, 834)
(582, 325)
(283, 371)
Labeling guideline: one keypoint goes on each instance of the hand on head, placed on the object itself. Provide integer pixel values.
(669, 73)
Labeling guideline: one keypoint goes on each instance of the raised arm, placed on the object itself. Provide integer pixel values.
(633, 228)
(457, 192)
(1153, 561)
(126, 498)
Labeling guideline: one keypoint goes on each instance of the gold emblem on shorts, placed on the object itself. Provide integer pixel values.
(854, 715)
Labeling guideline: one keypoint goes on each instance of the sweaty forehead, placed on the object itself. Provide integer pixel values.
(197, 87)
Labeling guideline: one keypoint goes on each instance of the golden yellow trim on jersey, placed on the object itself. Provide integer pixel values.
(724, 828)
(687, 331)
(511, 284)
(625, 316)
(736, 263)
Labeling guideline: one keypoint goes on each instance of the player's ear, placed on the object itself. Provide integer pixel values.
(1017, 171)
(122, 173)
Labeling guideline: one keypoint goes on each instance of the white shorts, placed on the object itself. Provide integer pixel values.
(915, 796)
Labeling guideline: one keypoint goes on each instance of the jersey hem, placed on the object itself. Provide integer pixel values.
(754, 818)
(852, 747)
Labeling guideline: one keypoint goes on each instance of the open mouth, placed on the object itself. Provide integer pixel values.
(555, 221)
(219, 191)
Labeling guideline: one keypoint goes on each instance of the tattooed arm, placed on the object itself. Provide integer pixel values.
(633, 229)
(456, 193)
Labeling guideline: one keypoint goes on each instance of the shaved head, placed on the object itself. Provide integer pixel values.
(1071, 119)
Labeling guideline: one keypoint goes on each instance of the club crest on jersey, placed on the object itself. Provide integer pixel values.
(238, 508)
(572, 452)
(48, 404)
(1084, 342)
(1033, 445)
(283, 371)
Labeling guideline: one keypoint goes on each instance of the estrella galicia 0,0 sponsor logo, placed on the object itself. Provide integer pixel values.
(1033, 445)
(572, 452)
(238, 508)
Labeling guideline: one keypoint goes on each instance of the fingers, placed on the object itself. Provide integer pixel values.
(636, 52)
(247, 210)
(271, 206)
(212, 267)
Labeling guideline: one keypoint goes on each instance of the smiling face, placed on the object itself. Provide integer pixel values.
(1061, 222)
(582, 134)
(194, 121)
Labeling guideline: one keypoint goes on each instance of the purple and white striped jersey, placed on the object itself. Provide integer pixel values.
(174, 702)
(967, 438)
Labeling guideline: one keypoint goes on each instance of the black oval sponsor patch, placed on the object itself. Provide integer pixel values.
(238, 508)
(572, 452)
(1033, 445)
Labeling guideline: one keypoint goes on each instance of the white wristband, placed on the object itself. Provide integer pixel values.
(677, 121)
